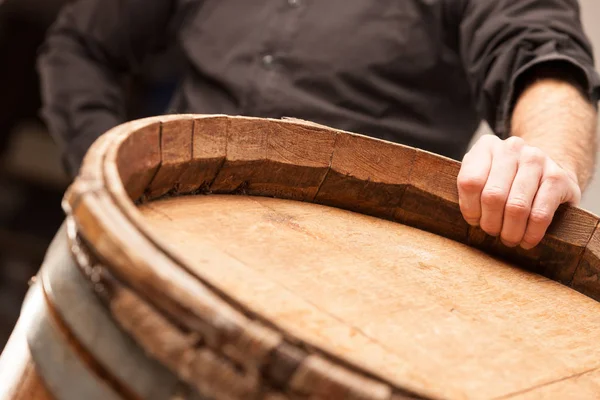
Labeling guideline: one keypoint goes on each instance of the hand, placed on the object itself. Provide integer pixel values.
(512, 190)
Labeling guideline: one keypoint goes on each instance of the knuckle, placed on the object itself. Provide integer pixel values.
(489, 138)
(471, 183)
(540, 217)
(517, 208)
(555, 178)
(532, 239)
(532, 155)
(493, 196)
(490, 227)
(510, 238)
(514, 143)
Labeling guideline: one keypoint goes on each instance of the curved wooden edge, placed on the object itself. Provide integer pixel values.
(290, 159)
(241, 369)
(305, 161)
(73, 300)
(170, 288)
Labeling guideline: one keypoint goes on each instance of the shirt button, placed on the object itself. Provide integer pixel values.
(294, 3)
(268, 60)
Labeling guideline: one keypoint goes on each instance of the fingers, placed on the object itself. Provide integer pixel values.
(513, 190)
(498, 185)
(521, 196)
(473, 176)
(556, 188)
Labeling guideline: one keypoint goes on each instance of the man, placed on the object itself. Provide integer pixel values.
(418, 72)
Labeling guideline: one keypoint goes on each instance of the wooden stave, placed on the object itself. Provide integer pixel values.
(104, 175)
(99, 202)
(73, 301)
(571, 232)
(53, 346)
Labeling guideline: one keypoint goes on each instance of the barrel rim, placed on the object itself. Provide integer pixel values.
(101, 201)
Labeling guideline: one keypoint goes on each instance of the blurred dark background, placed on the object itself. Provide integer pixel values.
(32, 177)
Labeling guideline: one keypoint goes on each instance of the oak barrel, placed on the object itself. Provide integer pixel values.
(245, 258)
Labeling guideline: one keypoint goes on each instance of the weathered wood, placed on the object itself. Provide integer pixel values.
(209, 148)
(176, 156)
(367, 176)
(418, 310)
(154, 275)
(275, 158)
(200, 367)
(92, 326)
(564, 243)
(558, 254)
(322, 379)
(293, 159)
(580, 386)
(284, 361)
(246, 154)
(431, 200)
(587, 276)
(139, 158)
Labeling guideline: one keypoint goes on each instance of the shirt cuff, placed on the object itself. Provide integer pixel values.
(586, 77)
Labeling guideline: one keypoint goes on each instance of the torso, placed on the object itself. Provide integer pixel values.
(388, 68)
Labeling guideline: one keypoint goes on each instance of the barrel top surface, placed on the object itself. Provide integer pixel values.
(411, 305)
(331, 264)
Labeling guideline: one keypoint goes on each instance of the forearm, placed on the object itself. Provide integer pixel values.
(554, 115)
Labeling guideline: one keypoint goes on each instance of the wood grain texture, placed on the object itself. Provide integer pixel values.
(421, 311)
(211, 375)
(292, 159)
(587, 276)
(431, 200)
(176, 156)
(103, 225)
(139, 158)
(564, 243)
(275, 158)
(209, 148)
(246, 155)
(367, 176)
(155, 276)
(75, 302)
(558, 254)
(584, 386)
(325, 380)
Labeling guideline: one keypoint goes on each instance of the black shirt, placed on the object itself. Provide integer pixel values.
(419, 72)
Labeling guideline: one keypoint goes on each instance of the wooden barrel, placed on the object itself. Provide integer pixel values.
(243, 258)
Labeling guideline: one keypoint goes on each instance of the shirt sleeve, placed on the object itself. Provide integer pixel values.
(89, 50)
(503, 40)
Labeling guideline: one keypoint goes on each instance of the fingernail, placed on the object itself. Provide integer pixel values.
(526, 246)
(509, 244)
(472, 222)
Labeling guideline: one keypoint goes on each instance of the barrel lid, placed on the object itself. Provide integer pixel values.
(124, 203)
